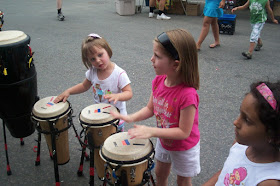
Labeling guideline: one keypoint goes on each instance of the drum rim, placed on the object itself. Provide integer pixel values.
(18, 42)
(92, 125)
(87, 121)
(130, 162)
(54, 117)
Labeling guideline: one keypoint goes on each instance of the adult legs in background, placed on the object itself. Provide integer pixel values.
(162, 172)
(152, 5)
(161, 15)
(215, 30)
(204, 31)
(207, 21)
(60, 16)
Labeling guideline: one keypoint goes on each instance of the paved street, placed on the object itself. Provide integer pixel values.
(224, 74)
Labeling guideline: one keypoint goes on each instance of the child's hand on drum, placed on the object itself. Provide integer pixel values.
(112, 97)
(126, 118)
(140, 132)
(62, 97)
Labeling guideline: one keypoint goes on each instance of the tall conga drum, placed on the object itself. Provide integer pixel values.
(53, 120)
(99, 125)
(128, 161)
(18, 83)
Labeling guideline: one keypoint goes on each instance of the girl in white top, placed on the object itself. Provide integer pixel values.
(110, 82)
(255, 157)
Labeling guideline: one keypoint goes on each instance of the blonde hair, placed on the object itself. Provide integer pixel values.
(87, 45)
(185, 45)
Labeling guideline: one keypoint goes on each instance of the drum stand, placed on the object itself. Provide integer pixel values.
(88, 141)
(54, 133)
(9, 172)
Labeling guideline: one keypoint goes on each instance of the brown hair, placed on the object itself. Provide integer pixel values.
(87, 45)
(185, 45)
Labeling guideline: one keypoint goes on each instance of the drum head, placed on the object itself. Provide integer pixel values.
(120, 147)
(11, 36)
(46, 109)
(97, 113)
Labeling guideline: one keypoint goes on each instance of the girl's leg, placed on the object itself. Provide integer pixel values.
(215, 30)
(204, 31)
(161, 4)
(259, 41)
(259, 45)
(251, 47)
(58, 4)
(152, 5)
(184, 181)
(162, 171)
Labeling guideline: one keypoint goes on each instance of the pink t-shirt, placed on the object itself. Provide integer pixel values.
(168, 102)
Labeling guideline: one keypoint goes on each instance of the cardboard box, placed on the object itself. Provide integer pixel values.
(125, 7)
(176, 7)
(193, 9)
(276, 8)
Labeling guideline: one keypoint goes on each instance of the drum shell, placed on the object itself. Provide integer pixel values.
(122, 153)
(18, 89)
(61, 140)
(100, 133)
(17, 100)
(99, 164)
(134, 172)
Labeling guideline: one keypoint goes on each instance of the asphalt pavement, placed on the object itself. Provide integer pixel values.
(224, 73)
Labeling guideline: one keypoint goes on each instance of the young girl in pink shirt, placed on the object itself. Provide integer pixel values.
(174, 102)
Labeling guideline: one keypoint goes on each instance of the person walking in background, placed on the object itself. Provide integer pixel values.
(60, 16)
(174, 102)
(161, 15)
(110, 83)
(212, 10)
(258, 16)
(254, 159)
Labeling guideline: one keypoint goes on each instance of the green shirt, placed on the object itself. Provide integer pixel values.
(258, 11)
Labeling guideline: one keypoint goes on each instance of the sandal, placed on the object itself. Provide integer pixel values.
(214, 45)
(258, 47)
(248, 55)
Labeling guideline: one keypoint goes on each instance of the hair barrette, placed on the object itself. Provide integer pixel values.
(95, 36)
(267, 94)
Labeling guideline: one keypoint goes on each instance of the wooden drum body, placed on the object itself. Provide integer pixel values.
(49, 114)
(128, 161)
(99, 125)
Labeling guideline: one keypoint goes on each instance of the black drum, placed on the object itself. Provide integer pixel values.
(18, 83)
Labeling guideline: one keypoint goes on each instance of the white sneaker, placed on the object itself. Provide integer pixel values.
(151, 14)
(163, 17)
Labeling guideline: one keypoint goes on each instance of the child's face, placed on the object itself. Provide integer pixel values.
(162, 63)
(99, 58)
(248, 128)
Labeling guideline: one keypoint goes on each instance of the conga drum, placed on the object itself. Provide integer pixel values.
(50, 115)
(99, 125)
(18, 83)
(128, 161)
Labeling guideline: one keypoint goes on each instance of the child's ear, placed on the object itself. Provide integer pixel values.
(176, 64)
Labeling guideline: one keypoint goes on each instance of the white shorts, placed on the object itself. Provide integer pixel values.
(184, 163)
(256, 32)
